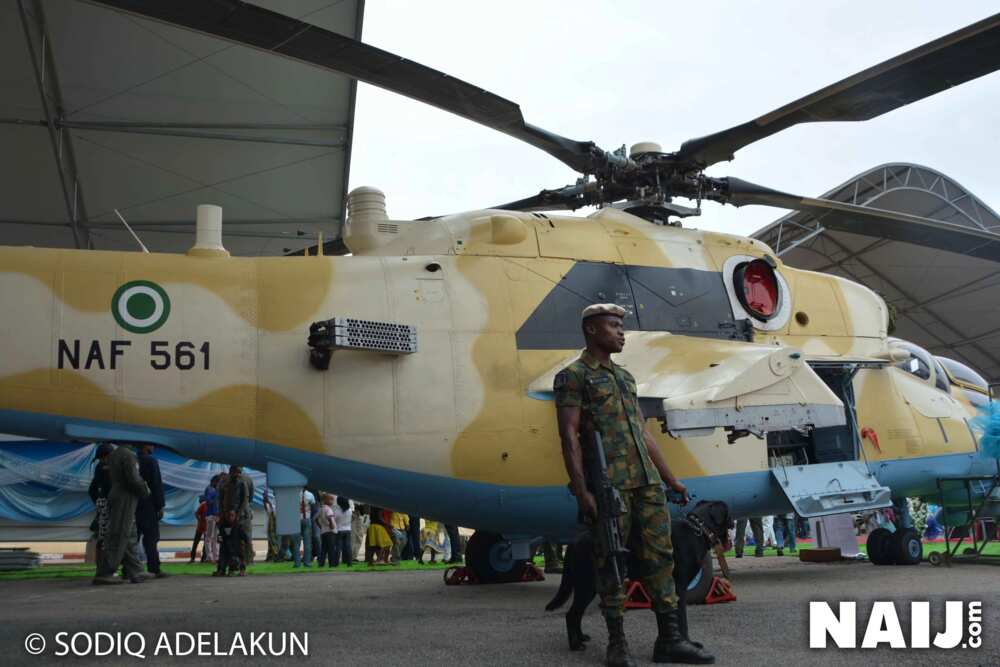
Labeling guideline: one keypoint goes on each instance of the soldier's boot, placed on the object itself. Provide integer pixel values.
(672, 646)
(618, 653)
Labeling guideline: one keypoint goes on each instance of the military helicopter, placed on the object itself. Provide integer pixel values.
(416, 373)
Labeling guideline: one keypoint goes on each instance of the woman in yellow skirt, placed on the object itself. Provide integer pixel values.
(379, 543)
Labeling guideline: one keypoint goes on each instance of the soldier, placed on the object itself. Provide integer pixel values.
(127, 487)
(236, 494)
(595, 394)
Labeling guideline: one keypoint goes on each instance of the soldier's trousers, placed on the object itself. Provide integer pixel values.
(647, 510)
(246, 523)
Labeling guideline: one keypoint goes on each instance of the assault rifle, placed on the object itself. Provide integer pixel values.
(609, 507)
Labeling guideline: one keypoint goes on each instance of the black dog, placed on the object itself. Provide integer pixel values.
(692, 537)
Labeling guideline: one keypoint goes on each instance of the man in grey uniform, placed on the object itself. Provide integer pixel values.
(127, 487)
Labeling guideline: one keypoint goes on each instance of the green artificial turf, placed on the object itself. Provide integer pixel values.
(269, 569)
(205, 570)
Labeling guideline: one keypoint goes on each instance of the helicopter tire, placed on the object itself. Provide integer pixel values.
(488, 555)
(906, 547)
(879, 546)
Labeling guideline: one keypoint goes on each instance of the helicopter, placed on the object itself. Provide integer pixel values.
(416, 372)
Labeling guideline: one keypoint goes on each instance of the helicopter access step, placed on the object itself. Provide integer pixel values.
(832, 488)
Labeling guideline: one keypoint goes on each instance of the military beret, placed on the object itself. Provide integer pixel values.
(602, 309)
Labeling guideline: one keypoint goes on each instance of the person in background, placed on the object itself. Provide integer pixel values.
(456, 544)
(313, 514)
(432, 539)
(273, 539)
(784, 530)
(757, 528)
(326, 525)
(200, 529)
(400, 526)
(98, 491)
(552, 553)
(378, 542)
(244, 512)
(149, 510)
(127, 487)
(413, 549)
(343, 515)
(770, 539)
(306, 502)
(359, 530)
(210, 551)
(233, 542)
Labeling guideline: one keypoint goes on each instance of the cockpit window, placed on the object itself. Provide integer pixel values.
(940, 376)
(964, 374)
(918, 364)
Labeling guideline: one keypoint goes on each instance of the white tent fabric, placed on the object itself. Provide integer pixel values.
(101, 111)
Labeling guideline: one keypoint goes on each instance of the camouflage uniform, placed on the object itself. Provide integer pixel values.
(606, 396)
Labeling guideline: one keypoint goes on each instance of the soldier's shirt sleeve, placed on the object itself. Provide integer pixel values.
(568, 389)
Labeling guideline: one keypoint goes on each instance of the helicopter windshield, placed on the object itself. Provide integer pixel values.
(919, 363)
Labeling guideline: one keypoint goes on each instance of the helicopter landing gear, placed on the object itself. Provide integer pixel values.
(490, 559)
(879, 546)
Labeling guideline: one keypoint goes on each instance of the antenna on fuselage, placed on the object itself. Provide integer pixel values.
(137, 239)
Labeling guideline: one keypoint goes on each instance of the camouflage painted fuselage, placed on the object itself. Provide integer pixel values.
(451, 431)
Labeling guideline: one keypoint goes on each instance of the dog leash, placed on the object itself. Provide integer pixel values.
(704, 531)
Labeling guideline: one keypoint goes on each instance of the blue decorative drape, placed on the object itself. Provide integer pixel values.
(47, 482)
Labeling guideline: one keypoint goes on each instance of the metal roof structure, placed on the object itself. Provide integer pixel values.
(100, 111)
(941, 275)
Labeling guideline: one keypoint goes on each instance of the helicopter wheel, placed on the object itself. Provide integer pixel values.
(879, 546)
(905, 547)
(489, 557)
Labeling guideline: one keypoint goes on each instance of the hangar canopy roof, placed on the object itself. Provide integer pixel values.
(942, 278)
(101, 111)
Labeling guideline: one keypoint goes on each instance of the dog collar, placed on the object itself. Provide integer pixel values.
(702, 530)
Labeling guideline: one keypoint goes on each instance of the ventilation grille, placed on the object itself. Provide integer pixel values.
(387, 228)
(354, 334)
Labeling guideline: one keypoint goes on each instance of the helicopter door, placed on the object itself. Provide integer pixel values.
(831, 488)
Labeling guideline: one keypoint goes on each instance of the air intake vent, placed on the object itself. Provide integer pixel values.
(348, 333)
(387, 228)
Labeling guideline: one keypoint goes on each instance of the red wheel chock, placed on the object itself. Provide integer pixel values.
(532, 573)
(720, 591)
(461, 574)
(636, 596)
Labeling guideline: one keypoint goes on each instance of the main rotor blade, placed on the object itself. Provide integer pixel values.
(873, 222)
(259, 28)
(946, 62)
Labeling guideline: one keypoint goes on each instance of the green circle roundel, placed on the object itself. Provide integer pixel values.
(140, 306)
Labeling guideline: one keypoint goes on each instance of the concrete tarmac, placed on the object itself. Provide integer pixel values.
(412, 619)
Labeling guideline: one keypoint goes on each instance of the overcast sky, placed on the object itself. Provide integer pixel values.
(622, 72)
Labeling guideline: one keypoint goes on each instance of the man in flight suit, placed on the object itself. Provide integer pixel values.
(127, 487)
(593, 394)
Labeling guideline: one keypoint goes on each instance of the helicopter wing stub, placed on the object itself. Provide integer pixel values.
(258, 28)
(694, 385)
(948, 61)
